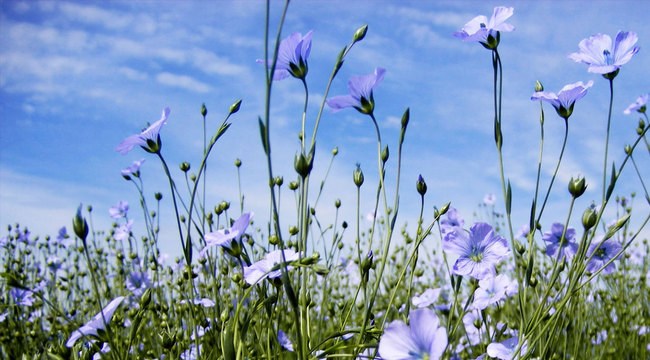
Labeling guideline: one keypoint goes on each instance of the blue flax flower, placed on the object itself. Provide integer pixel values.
(478, 252)
(601, 253)
(360, 96)
(603, 56)
(138, 282)
(269, 266)
(149, 139)
(564, 100)
(284, 341)
(119, 210)
(22, 297)
(423, 338)
(493, 289)
(505, 350)
(225, 237)
(567, 245)
(452, 222)
(292, 57)
(640, 105)
(485, 31)
(133, 169)
(97, 323)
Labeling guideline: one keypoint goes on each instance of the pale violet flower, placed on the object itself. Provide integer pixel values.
(284, 341)
(22, 297)
(506, 349)
(601, 252)
(269, 266)
(478, 252)
(452, 222)
(123, 232)
(119, 210)
(423, 338)
(148, 139)
(565, 99)
(604, 56)
(361, 93)
(292, 56)
(485, 31)
(427, 298)
(493, 289)
(640, 105)
(137, 282)
(98, 322)
(566, 245)
(225, 237)
(489, 199)
(133, 169)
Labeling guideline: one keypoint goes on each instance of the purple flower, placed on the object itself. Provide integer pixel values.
(505, 350)
(361, 96)
(292, 56)
(22, 297)
(428, 297)
(123, 232)
(225, 237)
(149, 139)
(119, 210)
(423, 338)
(487, 31)
(98, 322)
(133, 169)
(137, 282)
(564, 100)
(493, 289)
(639, 105)
(479, 251)
(601, 253)
(489, 199)
(284, 341)
(602, 56)
(566, 245)
(269, 266)
(452, 222)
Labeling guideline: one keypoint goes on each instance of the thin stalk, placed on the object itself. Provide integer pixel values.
(609, 120)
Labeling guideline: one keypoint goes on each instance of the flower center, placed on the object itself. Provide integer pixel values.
(476, 255)
(482, 25)
(600, 253)
(608, 57)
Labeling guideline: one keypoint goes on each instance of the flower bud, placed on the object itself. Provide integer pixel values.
(237, 162)
(344, 225)
(589, 218)
(293, 230)
(79, 225)
(235, 107)
(157, 196)
(273, 240)
(279, 180)
(360, 33)
(366, 265)
(293, 185)
(302, 165)
(628, 150)
(357, 176)
(538, 86)
(225, 205)
(185, 166)
(204, 110)
(405, 118)
(577, 186)
(335, 151)
(385, 154)
(145, 300)
(337, 203)
(421, 186)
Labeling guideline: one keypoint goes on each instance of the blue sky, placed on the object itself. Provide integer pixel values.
(78, 77)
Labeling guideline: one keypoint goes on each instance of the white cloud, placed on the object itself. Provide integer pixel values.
(182, 81)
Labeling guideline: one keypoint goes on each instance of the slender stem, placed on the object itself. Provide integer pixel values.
(609, 120)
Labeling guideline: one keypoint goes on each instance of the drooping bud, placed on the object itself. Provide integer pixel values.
(577, 186)
(421, 186)
(357, 176)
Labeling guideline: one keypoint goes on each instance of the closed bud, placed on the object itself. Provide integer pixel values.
(293, 230)
(185, 166)
(444, 208)
(158, 196)
(279, 180)
(320, 269)
(360, 33)
(385, 154)
(337, 203)
(344, 225)
(204, 110)
(577, 186)
(79, 225)
(421, 186)
(237, 162)
(273, 240)
(641, 124)
(405, 118)
(192, 177)
(235, 107)
(335, 151)
(357, 176)
(628, 150)
(302, 165)
(145, 300)
(519, 247)
(538, 86)
(224, 205)
(293, 185)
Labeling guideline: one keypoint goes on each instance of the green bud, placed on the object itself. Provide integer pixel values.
(204, 110)
(628, 150)
(337, 203)
(293, 185)
(157, 196)
(79, 225)
(421, 186)
(344, 225)
(360, 33)
(357, 176)
(237, 162)
(185, 166)
(538, 86)
(293, 230)
(335, 151)
(519, 247)
(273, 240)
(320, 269)
(224, 205)
(303, 165)
(145, 300)
(235, 107)
(405, 118)
(279, 180)
(385, 154)
(444, 208)
(192, 177)
(236, 277)
(577, 186)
